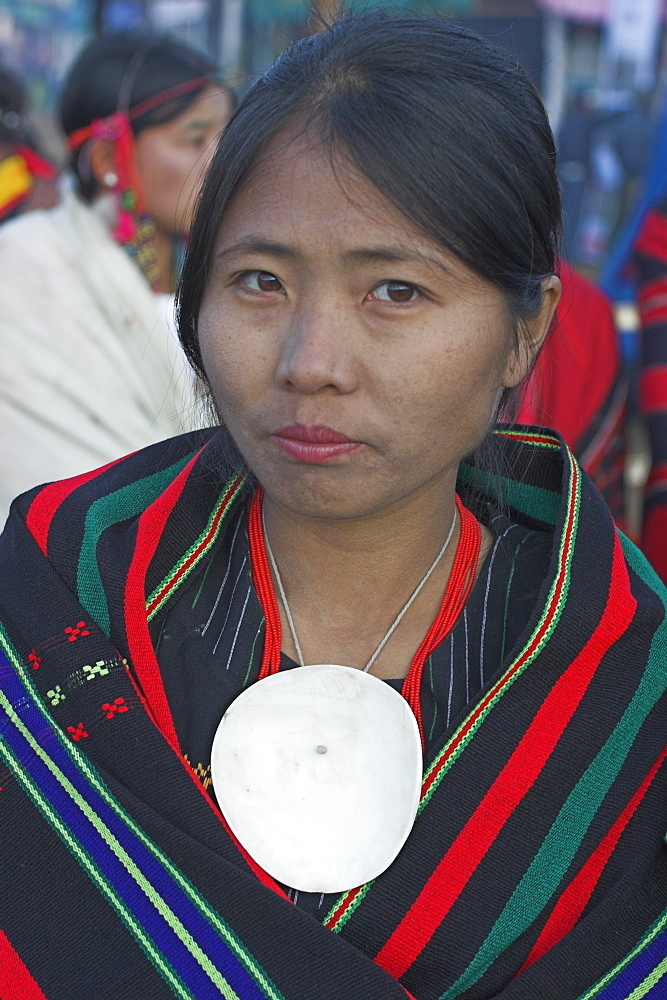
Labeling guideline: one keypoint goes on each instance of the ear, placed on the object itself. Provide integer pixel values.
(532, 335)
(102, 160)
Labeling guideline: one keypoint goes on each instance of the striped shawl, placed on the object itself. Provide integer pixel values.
(536, 869)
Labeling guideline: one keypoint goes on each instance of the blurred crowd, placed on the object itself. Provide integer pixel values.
(90, 256)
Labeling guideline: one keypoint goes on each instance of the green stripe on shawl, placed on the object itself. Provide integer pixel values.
(89, 773)
(650, 981)
(124, 503)
(535, 501)
(551, 614)
(32, 790)
(606, 979)
(174, 578)
(563, 840)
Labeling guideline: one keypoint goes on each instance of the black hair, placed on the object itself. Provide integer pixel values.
(12, 122)
(440, 120)
(118, 72)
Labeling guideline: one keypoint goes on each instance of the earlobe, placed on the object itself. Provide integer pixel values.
(532, 334)
(102, 161)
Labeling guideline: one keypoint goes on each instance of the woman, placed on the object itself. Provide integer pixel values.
(90, 368)
(370, 275)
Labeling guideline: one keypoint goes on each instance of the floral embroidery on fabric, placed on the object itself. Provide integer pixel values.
(78, 732)
(74, 633)
(117, 706)
(34, 659)
(97, 669)
(89, 672)
(55, 695)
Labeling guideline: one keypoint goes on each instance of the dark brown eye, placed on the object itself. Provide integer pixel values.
(395, 291)
(262, 281)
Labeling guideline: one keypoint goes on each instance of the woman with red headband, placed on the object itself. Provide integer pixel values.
(90, 368)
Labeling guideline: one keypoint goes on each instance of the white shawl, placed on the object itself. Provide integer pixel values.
(89, 367)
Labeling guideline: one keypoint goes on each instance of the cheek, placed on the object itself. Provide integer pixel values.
(229, 365)
(169, 180)
(453, 390)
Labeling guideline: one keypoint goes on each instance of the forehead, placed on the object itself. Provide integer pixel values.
(299, 188)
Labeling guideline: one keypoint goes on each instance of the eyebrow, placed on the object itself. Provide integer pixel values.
(361, 255)
(198, 124)
(255, 245)
(389, 255)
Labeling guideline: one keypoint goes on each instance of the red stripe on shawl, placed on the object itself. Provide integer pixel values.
(653, 237)
(16, 983)
(45, 505)
(261, 578)
(571, 903)
(652, 301)
(140, 646)
(653, 389)
(530, 438)
(515, 780)
(652, 288)
(518, 664)
(194, 555)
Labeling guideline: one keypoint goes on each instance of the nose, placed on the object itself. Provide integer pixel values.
(318, 350)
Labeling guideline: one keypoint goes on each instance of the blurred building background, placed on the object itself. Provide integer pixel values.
(601, 66)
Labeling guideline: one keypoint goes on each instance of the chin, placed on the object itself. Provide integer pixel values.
(309, 493)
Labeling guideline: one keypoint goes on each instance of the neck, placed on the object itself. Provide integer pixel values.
(403, 531)
(346, 580)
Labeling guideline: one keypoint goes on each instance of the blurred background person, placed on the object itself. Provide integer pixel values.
(27, 180)
(90, 367)
(650, 263)
(578, 386)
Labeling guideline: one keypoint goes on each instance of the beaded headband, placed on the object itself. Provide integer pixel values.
(76, 139)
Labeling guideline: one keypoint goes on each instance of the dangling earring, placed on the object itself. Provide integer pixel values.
(110, 179)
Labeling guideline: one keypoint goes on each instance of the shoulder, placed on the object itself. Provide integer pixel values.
(143, 474)
(65, 223)
(47, 242)
(24, 230)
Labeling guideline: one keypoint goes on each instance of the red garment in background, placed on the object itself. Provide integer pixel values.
(576, 386)
(650, 264)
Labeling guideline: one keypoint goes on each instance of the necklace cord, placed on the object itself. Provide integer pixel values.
(461, 580)
(424, 580)
(399, 616)
(261, 578)
(283, 597)
(460, 583)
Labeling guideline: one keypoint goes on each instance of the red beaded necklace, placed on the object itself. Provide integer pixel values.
(458, 588)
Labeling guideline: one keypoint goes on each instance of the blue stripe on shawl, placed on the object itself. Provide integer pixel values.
(636, 972)
(82, 830)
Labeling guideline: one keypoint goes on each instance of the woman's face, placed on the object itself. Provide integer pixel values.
(353, 360)
(172, 159)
